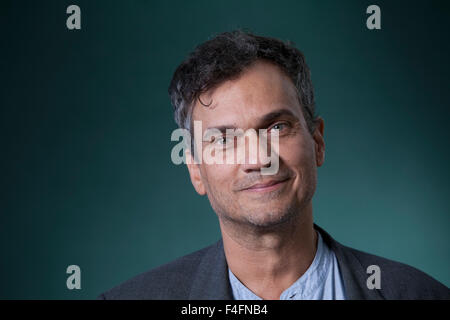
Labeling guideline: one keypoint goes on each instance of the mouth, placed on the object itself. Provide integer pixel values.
(267, 186)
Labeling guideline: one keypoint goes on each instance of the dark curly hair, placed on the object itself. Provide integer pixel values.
(224, 58)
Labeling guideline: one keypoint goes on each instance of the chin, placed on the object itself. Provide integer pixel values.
(269, 219)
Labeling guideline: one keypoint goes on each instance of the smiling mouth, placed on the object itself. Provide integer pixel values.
(266, 187)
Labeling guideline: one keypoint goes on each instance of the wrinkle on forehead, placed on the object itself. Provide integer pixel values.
(261, 88)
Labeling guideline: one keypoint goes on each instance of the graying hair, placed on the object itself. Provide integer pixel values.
(223, 58)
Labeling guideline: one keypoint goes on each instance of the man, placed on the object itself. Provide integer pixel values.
(270, 247)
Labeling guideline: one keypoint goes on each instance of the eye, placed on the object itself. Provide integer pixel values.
(278, 126)
(223, 141)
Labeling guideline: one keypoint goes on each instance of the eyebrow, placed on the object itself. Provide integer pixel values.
(265, 119)
(277, 114)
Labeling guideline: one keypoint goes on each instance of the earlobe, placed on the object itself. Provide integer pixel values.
(194, 174)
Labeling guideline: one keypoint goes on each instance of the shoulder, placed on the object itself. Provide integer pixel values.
(399, 280)
(159, 283)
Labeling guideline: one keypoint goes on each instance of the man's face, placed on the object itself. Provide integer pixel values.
(263, 97)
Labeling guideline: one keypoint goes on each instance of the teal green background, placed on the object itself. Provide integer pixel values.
(86, 121)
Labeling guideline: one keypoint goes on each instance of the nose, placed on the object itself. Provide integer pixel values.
(247, 167)
(251, 151)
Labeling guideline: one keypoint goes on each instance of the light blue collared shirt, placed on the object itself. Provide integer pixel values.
(322, 280)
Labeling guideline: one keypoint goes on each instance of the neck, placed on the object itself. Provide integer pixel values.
(269, 261)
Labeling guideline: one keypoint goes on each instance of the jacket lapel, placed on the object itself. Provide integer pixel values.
(352, 272)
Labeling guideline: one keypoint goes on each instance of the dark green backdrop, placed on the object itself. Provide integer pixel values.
(86, 176)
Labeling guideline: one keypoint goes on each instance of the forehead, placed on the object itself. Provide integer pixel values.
(261, 89)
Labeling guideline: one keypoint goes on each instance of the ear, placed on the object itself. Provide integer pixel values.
(194, 173)
(319, 145)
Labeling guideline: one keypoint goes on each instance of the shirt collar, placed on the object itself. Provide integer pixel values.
(303, 287)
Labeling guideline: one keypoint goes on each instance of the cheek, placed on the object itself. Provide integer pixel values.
(300, 158)
(297, 153)
(218, 176)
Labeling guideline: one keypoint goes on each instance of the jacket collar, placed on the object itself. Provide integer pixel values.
(211, 279)
(352, 271)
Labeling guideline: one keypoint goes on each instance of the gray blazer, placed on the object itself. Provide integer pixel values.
(203, 275)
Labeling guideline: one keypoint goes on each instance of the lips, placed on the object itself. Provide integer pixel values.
(266, 186)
